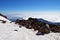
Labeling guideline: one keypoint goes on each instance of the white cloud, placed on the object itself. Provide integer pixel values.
(51, 16)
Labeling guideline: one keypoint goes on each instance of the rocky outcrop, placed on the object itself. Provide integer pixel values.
(41, 25)
(3, 15)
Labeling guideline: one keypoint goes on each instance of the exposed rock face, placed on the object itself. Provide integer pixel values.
(43, 27)
(3, 15)
(55, 28)
(3, 21)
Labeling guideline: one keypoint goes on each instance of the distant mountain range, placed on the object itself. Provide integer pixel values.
(48, 22)
(13, 19)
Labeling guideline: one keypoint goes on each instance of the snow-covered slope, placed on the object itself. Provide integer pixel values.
(7, 32)
(4, 19)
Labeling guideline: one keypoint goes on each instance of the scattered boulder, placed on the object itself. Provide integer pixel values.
(15, 30)
(20, 26)
(3, 21)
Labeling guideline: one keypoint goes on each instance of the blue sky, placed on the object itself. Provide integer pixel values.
(12, 6)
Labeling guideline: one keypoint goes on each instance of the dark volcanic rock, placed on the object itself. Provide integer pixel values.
(3, 21)
(43, 26)
(3, 15)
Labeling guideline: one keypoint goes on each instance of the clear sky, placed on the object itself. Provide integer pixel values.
(7, 6)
